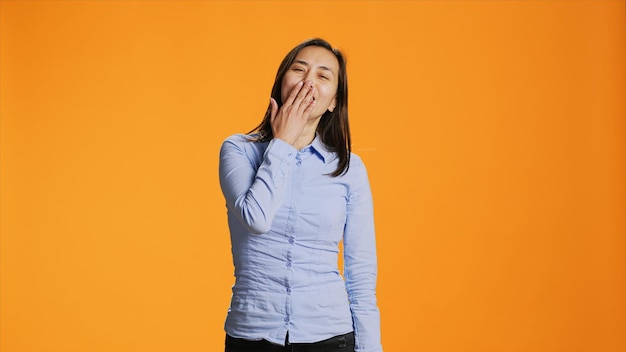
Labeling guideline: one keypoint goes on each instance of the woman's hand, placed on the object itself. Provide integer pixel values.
(289, 121)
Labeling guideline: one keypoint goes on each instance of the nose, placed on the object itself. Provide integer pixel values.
(308, 80)
(310, 77)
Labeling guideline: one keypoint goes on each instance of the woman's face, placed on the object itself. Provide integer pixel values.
(320, 67)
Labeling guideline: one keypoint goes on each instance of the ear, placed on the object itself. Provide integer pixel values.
(332, 105)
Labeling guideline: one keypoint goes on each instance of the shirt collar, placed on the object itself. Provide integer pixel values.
(321, 150)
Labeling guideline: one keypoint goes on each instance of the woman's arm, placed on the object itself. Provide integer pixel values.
(360, 262)
(255, 194)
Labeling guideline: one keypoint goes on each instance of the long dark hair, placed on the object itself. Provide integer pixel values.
(333, 127)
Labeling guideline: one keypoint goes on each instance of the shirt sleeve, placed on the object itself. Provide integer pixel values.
(360, 262)
(254, 188)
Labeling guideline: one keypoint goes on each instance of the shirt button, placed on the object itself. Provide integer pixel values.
(286, 319)
(291, 241)
(288, 289)
(289, 264)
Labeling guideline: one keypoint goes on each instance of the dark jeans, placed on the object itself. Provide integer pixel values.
(341, 343)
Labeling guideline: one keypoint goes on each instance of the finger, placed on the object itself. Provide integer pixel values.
(302, 93)
(307, 100)
(309, 107)
(294, 92)
(273, 109)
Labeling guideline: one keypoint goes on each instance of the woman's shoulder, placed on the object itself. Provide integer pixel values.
(243, 144)
(243, 140)
(356, 161)
(239, 138)
(356, 168)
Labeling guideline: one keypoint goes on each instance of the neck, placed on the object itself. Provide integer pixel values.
(308, 135)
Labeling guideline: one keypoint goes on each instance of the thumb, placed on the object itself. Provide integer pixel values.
(274, 108)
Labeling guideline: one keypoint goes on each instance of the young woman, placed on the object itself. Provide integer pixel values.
(293, 192)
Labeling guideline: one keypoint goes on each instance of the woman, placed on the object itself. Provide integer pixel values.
(293, 191)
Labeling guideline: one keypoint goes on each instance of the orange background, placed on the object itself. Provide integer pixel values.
(494, 134)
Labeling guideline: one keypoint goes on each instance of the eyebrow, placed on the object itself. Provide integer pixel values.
(307, 64)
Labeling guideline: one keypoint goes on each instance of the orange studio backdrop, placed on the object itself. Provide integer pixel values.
(494, 133)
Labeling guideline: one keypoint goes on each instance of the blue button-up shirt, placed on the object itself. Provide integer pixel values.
(286, 217)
